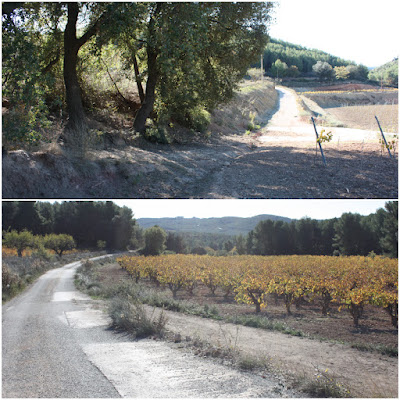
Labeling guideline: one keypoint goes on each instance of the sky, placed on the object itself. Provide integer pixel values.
(366, 32)
(207, 208)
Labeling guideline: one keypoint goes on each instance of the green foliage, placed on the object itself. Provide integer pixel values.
(324, 70)
(155, 239)
(279, 69)
(59, 243)
(175, 243)
(387, 74)
(101, 244)
(324, 137)
(19, 240)
(351, 235)
(389, 239)
(26, 80)
(202, 71)
(298, 56)
(156, 133)
(104, 48)
(108, 222)
(341, 73)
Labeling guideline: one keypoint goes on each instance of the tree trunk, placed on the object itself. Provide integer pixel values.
(138, 80)
(148, 103)
(76, 130)
(152, 78)
(77, 121)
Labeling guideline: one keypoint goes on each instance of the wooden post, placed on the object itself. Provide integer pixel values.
(320, 146)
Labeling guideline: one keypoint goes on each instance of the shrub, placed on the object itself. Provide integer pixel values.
(199, 119)
(128, 315)
(42, 254)
(11, 282)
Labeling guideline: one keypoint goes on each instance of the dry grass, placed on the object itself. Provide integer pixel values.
(340, 99)
(254, 102)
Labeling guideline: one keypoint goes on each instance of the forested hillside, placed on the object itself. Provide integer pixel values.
(224, 225)
(287, 59)
(388, 74)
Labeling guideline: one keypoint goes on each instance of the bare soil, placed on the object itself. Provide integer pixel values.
(277, 161)
(365, 374)
(347, 86)
(363, 117)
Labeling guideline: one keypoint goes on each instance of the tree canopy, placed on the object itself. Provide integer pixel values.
(86, 222)
(182, 59)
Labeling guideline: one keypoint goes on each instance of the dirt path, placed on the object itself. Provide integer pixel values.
(279, 161)
(284, 163)
(365, 374)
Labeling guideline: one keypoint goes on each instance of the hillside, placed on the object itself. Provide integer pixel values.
(387, 73)
(224, 225)
(299, 56)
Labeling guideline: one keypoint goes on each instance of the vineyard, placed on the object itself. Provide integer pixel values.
(343, 283)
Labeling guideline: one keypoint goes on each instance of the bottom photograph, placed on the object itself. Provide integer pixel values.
(200, 298)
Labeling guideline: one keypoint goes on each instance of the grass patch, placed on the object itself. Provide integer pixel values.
(256, 321)
(323, 386)
(249, 363)
(380, 348)
(128, 315)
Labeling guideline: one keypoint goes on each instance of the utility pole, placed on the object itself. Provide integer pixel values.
(262, 67)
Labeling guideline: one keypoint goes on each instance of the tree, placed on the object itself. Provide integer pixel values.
(350, 235)
(240, 244)
(279, 69)
(77, 126)
(122, 228)
(359, 72)
(308, 236)
(341, 73)
(221, 40)
(389, 240)
(154, 238)
(19, 240)
(59, 243)
(175, 243)
(323, 70)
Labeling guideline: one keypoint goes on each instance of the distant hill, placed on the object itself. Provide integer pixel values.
(387, 73)
(224, 225)
(301, 57)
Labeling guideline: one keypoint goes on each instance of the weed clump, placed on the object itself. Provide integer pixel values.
(129, 315)
(324, 386)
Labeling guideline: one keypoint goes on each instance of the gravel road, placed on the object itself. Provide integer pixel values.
(56, 344)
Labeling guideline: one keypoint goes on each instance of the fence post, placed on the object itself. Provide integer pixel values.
(384, 139)
(320, 146)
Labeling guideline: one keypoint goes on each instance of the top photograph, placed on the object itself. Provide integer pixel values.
(202, 100)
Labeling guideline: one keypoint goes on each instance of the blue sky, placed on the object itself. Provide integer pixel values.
(366, 31)
(205, 208)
